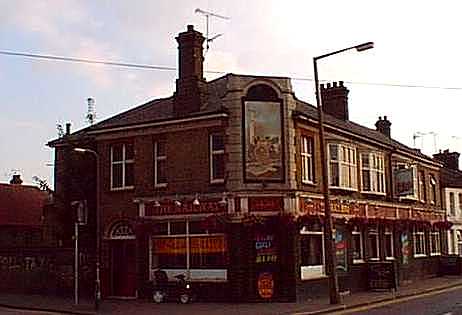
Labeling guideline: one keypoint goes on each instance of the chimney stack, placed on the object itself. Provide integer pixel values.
(449, 159)
(190, 85)
(16, 180)
(68, 129)
(383, 126)
(335, 100)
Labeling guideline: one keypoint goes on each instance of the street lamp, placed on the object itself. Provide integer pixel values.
(334, 295)
(98, 223)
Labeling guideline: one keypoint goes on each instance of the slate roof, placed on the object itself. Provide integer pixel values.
(162, 109)
(21, 205)
(451, 178)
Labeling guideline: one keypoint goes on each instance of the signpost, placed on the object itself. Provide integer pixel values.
(382, 276)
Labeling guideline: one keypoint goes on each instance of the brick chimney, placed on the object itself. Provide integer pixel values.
(449, 159)
(16, 180)
(383, 126)
(190, 85)
(335, 100)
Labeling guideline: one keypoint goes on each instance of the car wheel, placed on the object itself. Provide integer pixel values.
(184, 298)
(158, 296)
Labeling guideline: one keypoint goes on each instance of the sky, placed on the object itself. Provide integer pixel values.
(417, 43)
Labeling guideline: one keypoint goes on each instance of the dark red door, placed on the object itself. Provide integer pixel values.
(123, 265)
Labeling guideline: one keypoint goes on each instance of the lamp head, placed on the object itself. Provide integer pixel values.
(365, 46)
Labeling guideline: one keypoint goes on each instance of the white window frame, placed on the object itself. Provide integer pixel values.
(433, 191)
(213, 153)
(314, 271)
(157, 159)
(355, 233)
(422, 187)
(419, 233)
(374, 231)
(389, 232)
(376, 167)
(460, 204)
(307, 161)
(342, 163)
(452, 204)
(124, 163)
(435, 238)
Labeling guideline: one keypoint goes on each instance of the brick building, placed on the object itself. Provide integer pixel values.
(451, 179)
(221, 182)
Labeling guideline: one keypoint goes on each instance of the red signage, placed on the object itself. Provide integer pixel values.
(266, 204)
(316, 206)
(151, 209)
(265, 284)
(381, 212)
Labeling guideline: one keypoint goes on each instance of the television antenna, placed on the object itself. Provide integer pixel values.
(207, 16)
(419, 134)
(60, 129)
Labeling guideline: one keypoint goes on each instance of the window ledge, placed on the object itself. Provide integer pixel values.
(366, 192)
(359, 261)
(435, 254)
(420, 255)
(374, 259)
(310, 183)
(343, 188)
(122, 188)
(314, 277)
(217, 181)
(160, 185)
(390, 258)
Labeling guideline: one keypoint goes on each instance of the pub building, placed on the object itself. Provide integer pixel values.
(221, 182)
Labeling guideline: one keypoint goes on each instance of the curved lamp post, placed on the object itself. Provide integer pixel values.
(98, 224)
(331, 260)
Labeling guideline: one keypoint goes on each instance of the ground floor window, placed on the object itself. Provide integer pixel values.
(389, 246)
(373, 243)
(419, 242)
(312, 251)
(357, 245)
(190, 247)
(435, 241)
(459, 242)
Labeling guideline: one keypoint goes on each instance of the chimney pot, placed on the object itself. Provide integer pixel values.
(383, 126)
(340, 83)
(16, 180)
(68, 129)
(190, 27)
(335, 100)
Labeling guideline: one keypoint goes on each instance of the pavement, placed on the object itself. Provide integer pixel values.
(63, 305)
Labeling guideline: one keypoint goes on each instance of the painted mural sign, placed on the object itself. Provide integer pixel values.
(404, 179)
(263, 141)
(265, 284)
(265, 249)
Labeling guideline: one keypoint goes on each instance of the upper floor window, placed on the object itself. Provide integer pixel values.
(306, 153)
(122, 160)
(160, 163)
(460, 202)
(432, 189)
(373, 173)
(342, 167)
(452, 204)
(422, 187)
(217, 158)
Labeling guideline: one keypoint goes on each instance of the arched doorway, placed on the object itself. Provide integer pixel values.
(122, 246)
